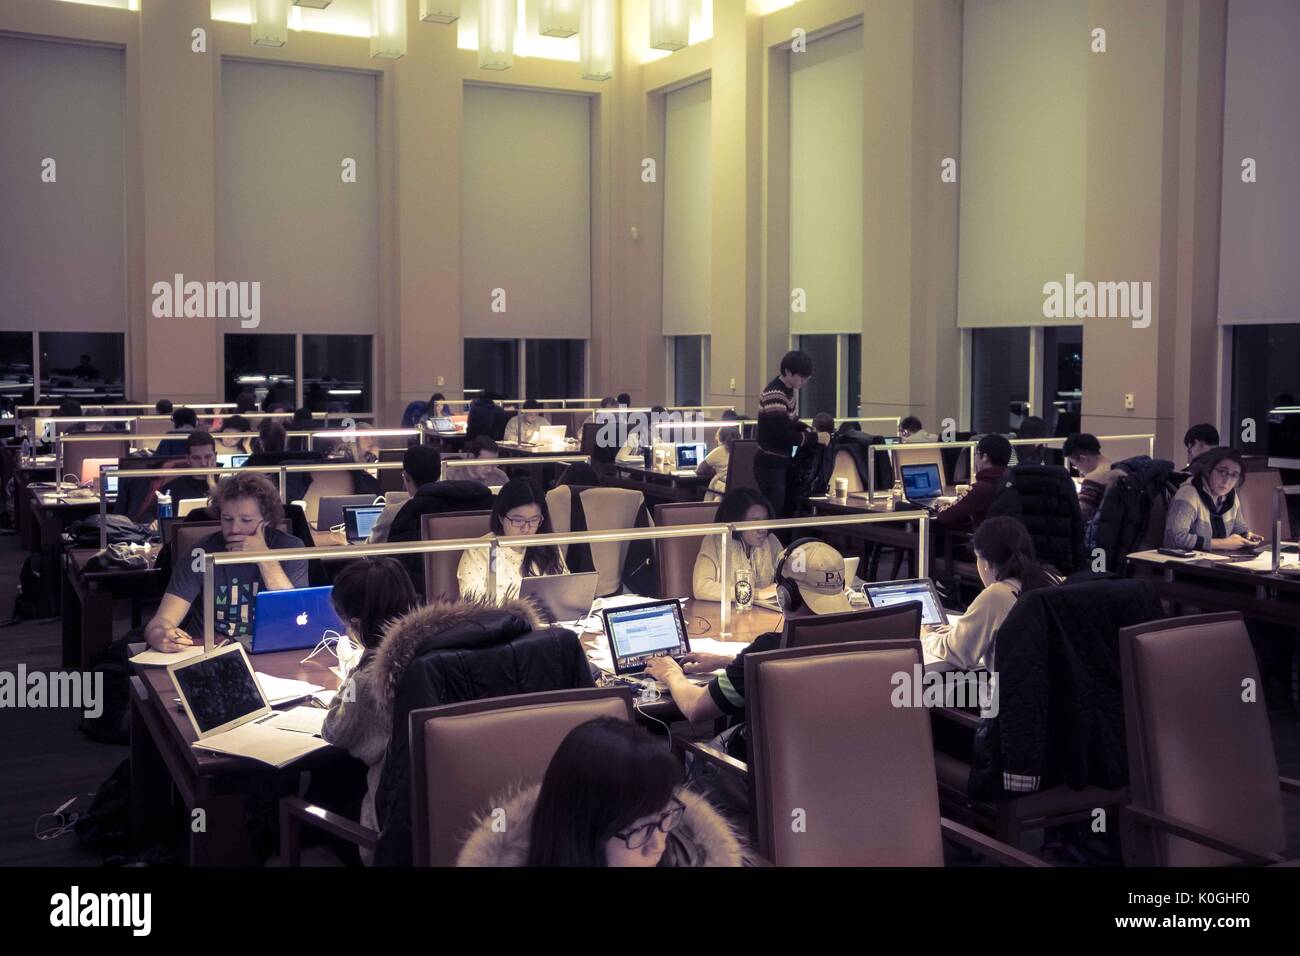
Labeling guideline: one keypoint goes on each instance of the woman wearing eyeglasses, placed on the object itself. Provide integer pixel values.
(612, 796)
(1205, 514)
(519, 509)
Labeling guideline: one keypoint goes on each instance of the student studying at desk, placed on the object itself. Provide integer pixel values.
(756, 552)
(1004, 555)
(519, 509)
(200, 452)
(1205, 514)
(250, 510)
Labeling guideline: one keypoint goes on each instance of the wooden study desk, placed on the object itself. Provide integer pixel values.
(87, 604)
(1218, 585)
(161, 757)
(657, 486)
(51, 514)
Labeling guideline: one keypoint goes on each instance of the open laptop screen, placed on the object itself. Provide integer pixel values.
(889, 593)
(219, 689)
(359, 520)
(921, 481)
(689, 455)
(643, 631)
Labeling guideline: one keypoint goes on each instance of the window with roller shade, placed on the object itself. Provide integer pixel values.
(1061, 404)
(17, 371)
(336, 373)
(264, 365)
(688, 361)
(87, 366)
(554, 368)
(835, 387)
(687, 189)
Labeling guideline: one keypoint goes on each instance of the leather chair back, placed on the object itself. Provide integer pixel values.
(675, 557)
(186, 535)
(920, 456)
(901, 622)
(740, 467)
(1196, 750)
(440, 566)
(610, 509)
(465, 755)
(325, 484)
(841, 776)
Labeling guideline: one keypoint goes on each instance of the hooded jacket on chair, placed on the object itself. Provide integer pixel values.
(448, 653)
(703, 838)
(435, 497)
(1043, 499)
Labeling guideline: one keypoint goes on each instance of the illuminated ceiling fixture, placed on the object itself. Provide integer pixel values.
(496, 34)
(270, 22)
(670, 24)
(596, 40)
(313, 4)
(559, 18)
(388, 29)
(440, 11)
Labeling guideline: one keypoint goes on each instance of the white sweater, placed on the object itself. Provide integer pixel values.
(968, 644)
(472, 572)
(706, 581)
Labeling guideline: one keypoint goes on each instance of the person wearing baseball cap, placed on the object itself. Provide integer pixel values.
(809, 580)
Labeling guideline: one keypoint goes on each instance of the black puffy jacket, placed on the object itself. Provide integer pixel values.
(436, 497)
(1060, 706)
(448, 653)
(1120, 523)
(1043, 499)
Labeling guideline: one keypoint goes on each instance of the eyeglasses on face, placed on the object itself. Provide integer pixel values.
(523, 524)
(667, 822)
(1227, 474)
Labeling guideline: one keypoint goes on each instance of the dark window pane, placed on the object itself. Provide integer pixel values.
(999, 378)
(819, 394)
(688, 369)
(263, 365)
(1265, 374)
(16, 386)
(87, 366)
(492, 365)
(853, 396)
(1062, 379)
(554, 368)
(336, 373)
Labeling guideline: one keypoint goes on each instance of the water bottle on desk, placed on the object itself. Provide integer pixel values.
(164, 505)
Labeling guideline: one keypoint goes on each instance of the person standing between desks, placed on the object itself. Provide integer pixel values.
(754, 551)
(250, 509)
(810, 580)
(1205, 514)
(779, 430)
(519, 509)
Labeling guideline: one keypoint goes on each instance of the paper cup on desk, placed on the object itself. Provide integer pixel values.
(840, 488)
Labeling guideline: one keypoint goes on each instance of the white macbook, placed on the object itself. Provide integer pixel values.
(229, 713)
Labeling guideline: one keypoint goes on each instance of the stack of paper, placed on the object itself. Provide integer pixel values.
(281, 690)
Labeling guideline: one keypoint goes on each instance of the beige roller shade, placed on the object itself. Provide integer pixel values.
(826, 110)
(688, 219)
(62, 243)
(1260, 232)
(526, 214)
(1022, 166)
(286, 217)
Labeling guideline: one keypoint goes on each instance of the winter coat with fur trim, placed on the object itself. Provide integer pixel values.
(703, 838)
(447, 653)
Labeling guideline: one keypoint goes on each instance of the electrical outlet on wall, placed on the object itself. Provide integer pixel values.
(442, 380)
(1128, 401)
(733, 384)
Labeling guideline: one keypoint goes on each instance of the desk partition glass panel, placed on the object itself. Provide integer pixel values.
(336, 373)
(264, 365)
(87, 366)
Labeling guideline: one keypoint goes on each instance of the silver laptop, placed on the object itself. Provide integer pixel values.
(889, 593)
(689, 455)
(329, 510)
(564, 597)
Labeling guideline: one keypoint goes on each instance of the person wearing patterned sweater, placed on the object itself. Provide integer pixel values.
(779, 431)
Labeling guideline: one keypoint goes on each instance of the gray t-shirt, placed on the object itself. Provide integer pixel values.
(236, 586)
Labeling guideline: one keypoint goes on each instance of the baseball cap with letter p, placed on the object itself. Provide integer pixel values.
(817, 570)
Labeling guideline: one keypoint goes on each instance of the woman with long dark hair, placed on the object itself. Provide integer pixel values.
(611, 796)
(1005, 559)
(519, 509)
(368, 595)
(1205, 514)
(754, 551)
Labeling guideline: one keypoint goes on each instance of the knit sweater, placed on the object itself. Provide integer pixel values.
(778, 396)
(1189, 523)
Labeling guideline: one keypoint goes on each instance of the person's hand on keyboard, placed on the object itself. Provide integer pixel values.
(662, 668)
(704, 663)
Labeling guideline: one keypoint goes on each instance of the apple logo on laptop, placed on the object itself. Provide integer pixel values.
(301, 618)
